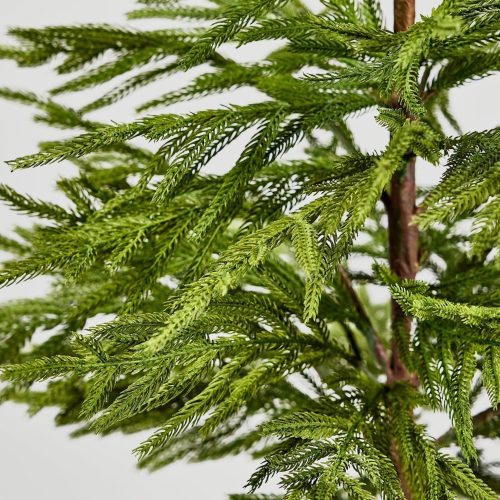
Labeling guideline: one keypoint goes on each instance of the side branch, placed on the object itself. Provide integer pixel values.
(378, 346)
(482, 418)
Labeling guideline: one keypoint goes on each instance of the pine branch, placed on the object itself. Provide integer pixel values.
(240, 320)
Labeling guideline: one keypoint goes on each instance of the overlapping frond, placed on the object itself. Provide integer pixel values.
(240, 321)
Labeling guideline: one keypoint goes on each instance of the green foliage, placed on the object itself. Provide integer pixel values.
(240, 323)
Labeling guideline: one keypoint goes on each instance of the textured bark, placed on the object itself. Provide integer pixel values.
(404, 14)
(403, 256)
(403, 248)
(401, 207)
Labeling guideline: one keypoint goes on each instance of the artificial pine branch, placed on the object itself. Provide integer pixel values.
(226, 290)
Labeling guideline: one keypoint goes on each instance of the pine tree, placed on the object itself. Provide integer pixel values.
(239, 321)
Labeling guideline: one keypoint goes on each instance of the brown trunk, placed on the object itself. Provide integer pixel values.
(404, 14)
(403, 259)
(401, 206)
(403, 246)
(403, 256)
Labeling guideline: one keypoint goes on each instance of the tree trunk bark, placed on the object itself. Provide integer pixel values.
(403, 257)
(401, 206)
(404, 14)
(403, 248)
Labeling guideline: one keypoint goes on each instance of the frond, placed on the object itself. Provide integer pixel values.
(241, 312)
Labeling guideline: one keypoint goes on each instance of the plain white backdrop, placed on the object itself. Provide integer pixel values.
(38, 460)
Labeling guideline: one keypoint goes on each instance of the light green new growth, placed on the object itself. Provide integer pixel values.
(240, 322)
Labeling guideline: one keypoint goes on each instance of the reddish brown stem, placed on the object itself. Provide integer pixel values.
(403, 249)
(401, 207)
(403, 257)
(404, 14)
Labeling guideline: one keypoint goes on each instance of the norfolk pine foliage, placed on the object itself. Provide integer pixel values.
(239, 324)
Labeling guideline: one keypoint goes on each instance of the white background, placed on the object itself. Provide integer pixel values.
(38, 460)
